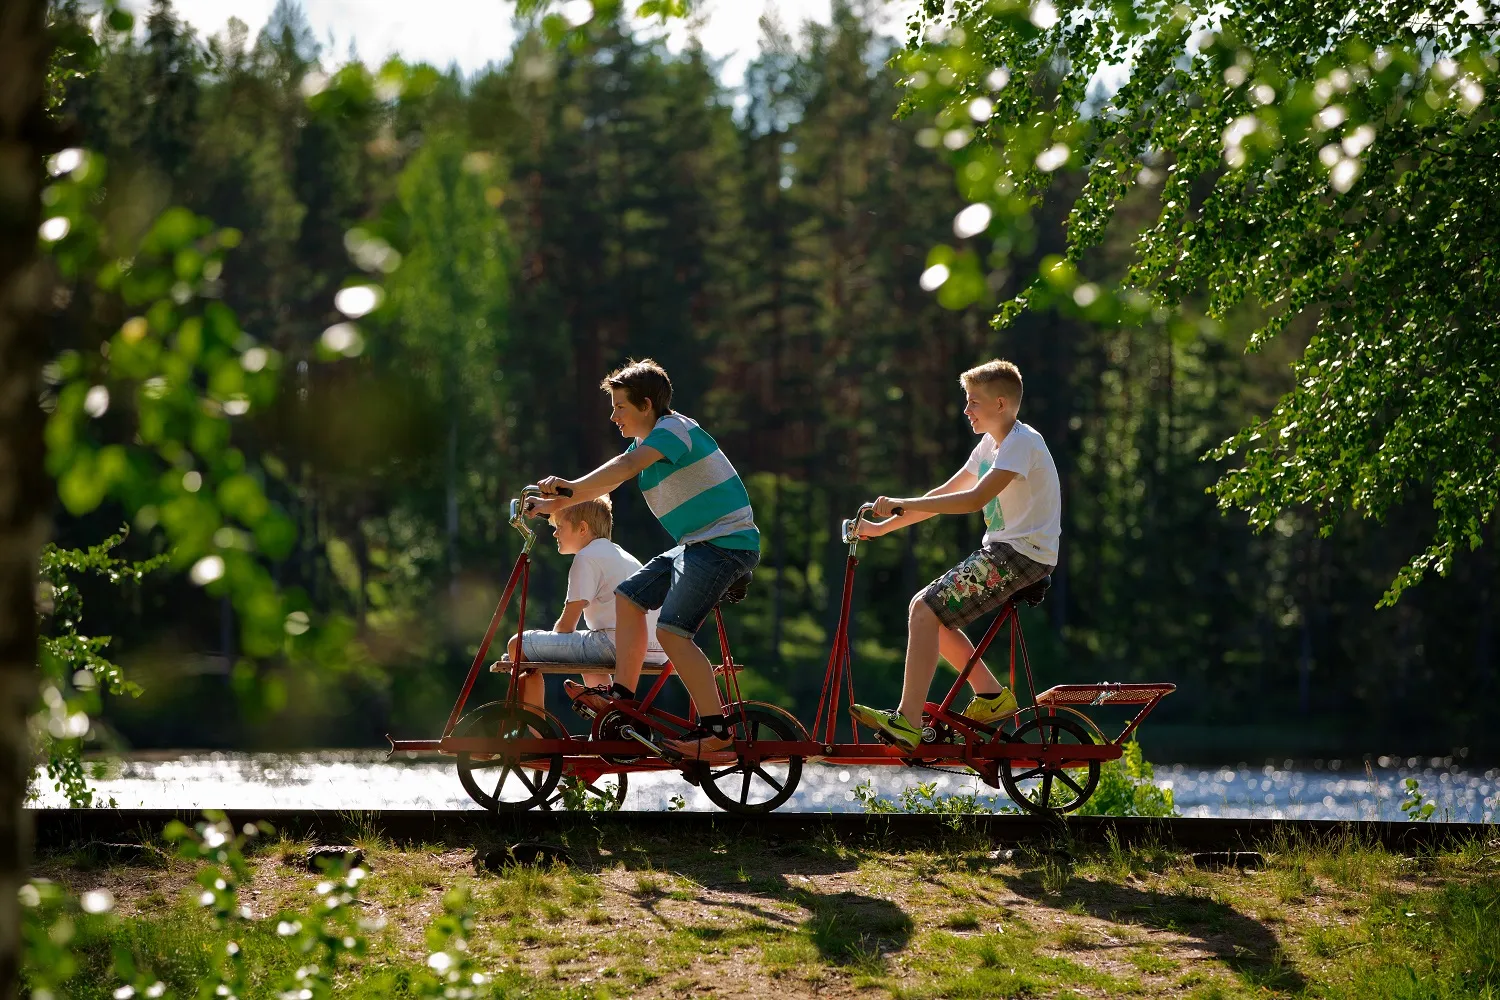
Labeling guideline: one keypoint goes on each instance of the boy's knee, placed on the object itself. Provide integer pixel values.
(919, 611)
(667, 637)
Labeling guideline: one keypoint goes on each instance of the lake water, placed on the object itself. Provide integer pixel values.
(365, 780)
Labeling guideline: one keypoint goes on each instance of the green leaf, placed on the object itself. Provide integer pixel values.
(241, 497)
(275, 534)
(175, 229)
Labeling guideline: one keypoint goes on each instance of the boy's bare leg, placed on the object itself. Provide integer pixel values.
(533, 690)
(922, 629)
(696, 672)
(956, 648)
(630, 642)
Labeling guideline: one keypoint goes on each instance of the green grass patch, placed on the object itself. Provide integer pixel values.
(1338, 920)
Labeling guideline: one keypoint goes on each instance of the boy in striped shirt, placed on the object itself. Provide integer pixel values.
(698, 497)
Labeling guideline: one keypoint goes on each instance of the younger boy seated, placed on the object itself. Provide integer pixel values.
(1011, 477)
(583, 532)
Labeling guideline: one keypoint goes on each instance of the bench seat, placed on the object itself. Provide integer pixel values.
(502, 666)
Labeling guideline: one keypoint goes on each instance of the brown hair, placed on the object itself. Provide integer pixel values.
(598, 514)
(1002, 378)
(643, 381)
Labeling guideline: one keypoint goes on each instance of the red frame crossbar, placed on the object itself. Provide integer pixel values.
(979, 749)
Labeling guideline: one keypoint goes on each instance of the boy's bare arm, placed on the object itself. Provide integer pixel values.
(597, 483)
(960, 480)
(568, 620)
(964, 501)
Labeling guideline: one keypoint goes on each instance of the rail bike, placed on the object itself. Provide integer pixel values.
(512, 757)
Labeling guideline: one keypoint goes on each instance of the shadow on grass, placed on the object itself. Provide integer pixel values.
(851, 929)
(1246, 946)
(844, 928)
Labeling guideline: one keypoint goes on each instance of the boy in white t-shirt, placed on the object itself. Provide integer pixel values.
(583, 531)
(1011, 477)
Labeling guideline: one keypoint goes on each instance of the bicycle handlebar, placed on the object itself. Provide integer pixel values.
(536, 491)
(851, 526)
(520, 509)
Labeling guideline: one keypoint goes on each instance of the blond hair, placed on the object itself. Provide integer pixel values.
(598, 514)
(1002, 378)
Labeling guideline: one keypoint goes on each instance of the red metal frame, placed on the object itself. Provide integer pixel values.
(978, 749)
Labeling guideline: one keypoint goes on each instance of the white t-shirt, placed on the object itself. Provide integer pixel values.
(1027, 515)
(597, 570)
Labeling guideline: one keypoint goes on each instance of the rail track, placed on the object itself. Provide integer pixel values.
(62, 829)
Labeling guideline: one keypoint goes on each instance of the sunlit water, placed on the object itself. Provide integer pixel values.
(365, 780)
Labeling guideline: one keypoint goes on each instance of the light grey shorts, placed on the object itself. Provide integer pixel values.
(583, 646)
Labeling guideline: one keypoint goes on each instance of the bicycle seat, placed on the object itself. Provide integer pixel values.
(738, 590)
(1034, 594)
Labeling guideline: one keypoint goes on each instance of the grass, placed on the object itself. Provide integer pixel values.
(642, 916)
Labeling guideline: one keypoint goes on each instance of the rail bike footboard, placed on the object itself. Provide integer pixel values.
(1074, 697)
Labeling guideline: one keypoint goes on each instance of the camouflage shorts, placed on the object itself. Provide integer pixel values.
(981, 583)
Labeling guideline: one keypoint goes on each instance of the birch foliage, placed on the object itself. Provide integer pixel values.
(1314, 160)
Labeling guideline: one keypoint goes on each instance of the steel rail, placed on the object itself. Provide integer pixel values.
(65, 829)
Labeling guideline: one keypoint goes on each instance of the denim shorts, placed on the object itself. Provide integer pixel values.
(583, 646)
(980, 584)
(686, 583)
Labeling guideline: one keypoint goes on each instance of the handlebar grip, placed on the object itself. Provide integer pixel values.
(898, 511)
(564, 491)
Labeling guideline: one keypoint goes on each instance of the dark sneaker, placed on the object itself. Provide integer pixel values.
(702, 745)
(589, 702)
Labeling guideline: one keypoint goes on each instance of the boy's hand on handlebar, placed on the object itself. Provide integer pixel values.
(870, 529)
(543, 508)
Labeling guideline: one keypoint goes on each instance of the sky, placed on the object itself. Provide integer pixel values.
(473, 33)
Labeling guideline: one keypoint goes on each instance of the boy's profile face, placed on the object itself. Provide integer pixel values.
(571, 536)
(987, 411)
(633, 421)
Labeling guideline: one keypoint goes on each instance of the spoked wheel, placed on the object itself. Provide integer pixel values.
(605, 793)
(747, 787)
(508, 782)
(1050, 789)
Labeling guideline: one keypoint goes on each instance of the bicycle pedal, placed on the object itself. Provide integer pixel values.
(629, 733)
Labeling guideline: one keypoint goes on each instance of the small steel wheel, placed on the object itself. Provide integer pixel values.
(1050, 789)
(605, 793)
(747, 787)
(508, 782)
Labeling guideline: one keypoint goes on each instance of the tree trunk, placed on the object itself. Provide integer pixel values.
(778, 548)
(450, 504)
(25, 493)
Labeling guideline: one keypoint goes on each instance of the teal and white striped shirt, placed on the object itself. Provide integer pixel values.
(694, 491)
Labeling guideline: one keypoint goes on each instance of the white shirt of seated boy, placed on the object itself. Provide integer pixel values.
(598, 568)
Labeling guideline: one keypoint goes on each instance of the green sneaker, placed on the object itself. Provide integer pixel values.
(892, 724)
(990, 709)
